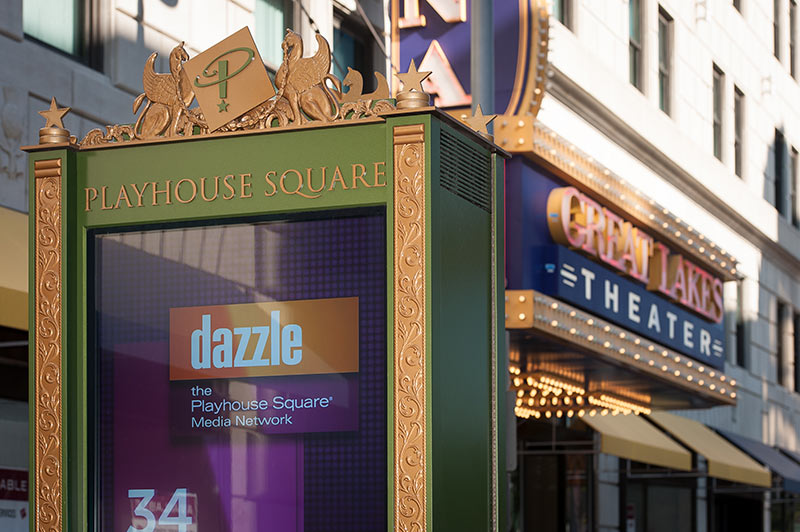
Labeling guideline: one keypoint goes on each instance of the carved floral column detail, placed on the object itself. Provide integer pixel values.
(47, 338)
(410, 497)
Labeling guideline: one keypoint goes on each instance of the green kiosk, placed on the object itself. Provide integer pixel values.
(266, 305)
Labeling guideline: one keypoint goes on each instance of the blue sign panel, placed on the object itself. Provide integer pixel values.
(571, 277)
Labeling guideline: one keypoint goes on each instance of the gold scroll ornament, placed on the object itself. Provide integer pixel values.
(47, 337)
(410, 357)
(234, 93)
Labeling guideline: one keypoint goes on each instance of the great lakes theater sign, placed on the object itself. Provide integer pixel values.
(692, 323)
(247, 311)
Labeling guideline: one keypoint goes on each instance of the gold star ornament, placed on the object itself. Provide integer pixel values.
(479, 121)
(55, 115)
(412, 80)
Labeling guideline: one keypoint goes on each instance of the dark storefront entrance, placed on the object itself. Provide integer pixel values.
(656, 500)
(553, 485)
(736, 512)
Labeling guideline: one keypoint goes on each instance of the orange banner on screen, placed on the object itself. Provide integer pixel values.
(304, 337)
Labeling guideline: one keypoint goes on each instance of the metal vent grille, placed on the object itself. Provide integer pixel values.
(465, 171)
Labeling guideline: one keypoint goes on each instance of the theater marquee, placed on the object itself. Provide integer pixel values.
(661, 294)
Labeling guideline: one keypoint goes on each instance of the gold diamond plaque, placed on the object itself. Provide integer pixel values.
(229, 79)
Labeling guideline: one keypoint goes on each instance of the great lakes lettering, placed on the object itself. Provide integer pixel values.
(304, 337)
(308, 183)
(580, 223)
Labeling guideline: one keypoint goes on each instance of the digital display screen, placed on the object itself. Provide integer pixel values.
(240, 375)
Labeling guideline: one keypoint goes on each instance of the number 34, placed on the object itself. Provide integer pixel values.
(178, 499)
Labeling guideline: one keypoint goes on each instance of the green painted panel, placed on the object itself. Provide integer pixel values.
(460, 379)
(460, 359)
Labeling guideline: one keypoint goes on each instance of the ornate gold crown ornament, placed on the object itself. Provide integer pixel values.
(233, 93)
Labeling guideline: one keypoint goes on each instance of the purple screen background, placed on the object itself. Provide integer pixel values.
(237, 479)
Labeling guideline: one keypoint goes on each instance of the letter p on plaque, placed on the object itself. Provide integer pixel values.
(229, 79)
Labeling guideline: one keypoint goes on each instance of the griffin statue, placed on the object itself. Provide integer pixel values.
(301, 80)
(168, 97)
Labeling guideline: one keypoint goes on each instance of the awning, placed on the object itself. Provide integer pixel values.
(791, 454)
(14, 269)
(725, 461)
(780, 464)
(634, 438)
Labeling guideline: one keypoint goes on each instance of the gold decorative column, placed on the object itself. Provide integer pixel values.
(47, 338)
(410, 478)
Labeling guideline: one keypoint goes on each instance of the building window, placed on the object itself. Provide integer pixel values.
(562, 12)
(780, 173)
(738, 130)
(54, 22)
(781, 343)
(776, 28)
(784, 513)
(796, 350)
(646, 495)
(792, 38)
(271, 20)
(350, 49)
(718, 88)
(793, 187)
(635, 42)
(741, 339)
(664, 56)
(70, 26)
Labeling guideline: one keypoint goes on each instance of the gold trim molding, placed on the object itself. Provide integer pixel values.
(529, 86)
(48, 437)
(410, 356)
